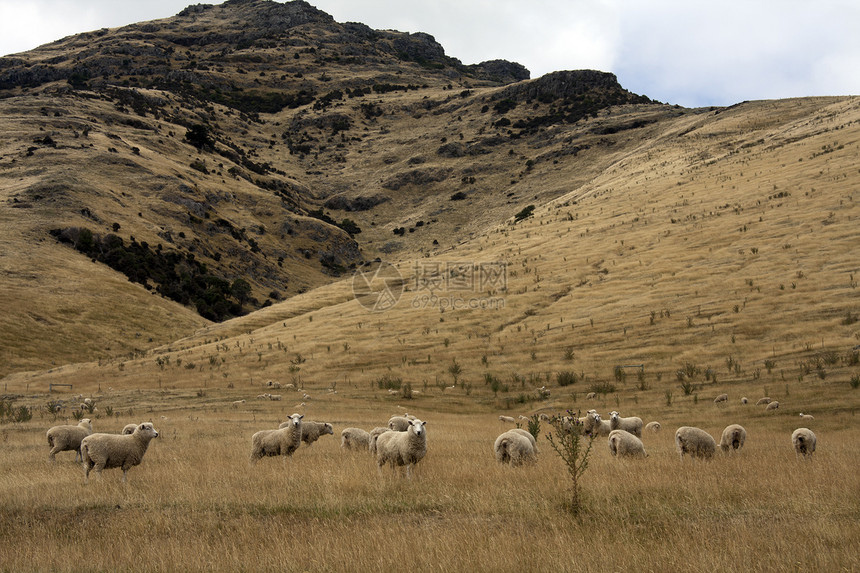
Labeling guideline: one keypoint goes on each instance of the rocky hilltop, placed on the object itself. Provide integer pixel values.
(235, 155)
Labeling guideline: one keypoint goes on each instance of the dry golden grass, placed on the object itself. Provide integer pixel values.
(694, 231)
(195, 503)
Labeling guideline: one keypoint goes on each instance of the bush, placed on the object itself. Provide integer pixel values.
(524, 214)
(565, 378)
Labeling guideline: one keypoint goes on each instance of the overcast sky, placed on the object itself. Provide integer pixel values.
(688, 52)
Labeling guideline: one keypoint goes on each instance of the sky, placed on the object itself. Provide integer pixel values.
(694, 53)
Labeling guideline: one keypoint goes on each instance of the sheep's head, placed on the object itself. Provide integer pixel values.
(147, 430)
(328, 429)
(614, 415)
(89, 424)
(296, 419)
(417, 427)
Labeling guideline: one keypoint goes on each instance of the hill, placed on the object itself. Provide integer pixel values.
(266, 143)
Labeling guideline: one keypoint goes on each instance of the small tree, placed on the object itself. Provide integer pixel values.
(455, 370)
(569, 443)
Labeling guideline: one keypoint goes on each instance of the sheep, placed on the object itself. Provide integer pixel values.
(803, 440)
(129, 429)
(772, 406)
(721, 398)
(594, 425)
(623, 444)
(237, 403)
(544, 417)
(106, 451)
(745, 400)
(514, 448)
(631, 424)
(653, 427)
(402, 448)
(696, 442)
(590, 396)
(280, 442)
(68, 438)
(762, 401)
(733, 438)
(806, 416)
(355, 439)
(398, 423)
(528, 436)
(374, 434)
(507, 419)
(312, 431)
(275, 397)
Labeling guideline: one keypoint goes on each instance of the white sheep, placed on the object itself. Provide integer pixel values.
(623, 444)
(721, 398)
(803, 440)
(402, 448)
(398, 423)
(733, 438)
(275, 397)
(374, 435)
(528, 436)
(772, 406)
(68, 438)
(106, 451)
(596, 426)
(695, 442)
(312, 431)
(355, 439)
(806, 416)
(762, 401)
(507, 419)
(745, 400)
(590, 396)
(237, 403)
(129, 429)
(280, 442)
(544, 417)
(653, 427)
(514, 448)
(632, 424)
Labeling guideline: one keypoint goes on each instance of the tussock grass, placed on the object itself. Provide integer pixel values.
(195, 503)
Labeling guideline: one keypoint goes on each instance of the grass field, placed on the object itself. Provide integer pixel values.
(196, 503)
(728, 271)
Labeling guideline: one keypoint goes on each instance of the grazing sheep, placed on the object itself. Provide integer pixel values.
(590, 396)
(129, 429)
(803, 440)
(355, 439)
(623, 444)
(772, 406)
(806, 416)
(514, 448)
(528, 436)
(280, 442)
(106, 451)
(402, 448)
(68, 438)
(762, 401)
(695, 442)
(745, 400)
(275, 397)
(544, 417)
(653, 427)
(374, 434)
(721, 398)
(733, 438)
(631, 424)
(312, 431)
(507, 419)
(237, 403)
(398, 423)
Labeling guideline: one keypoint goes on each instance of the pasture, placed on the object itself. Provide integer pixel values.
(197, 504)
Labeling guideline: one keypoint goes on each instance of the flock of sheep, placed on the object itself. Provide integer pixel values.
(403, 442)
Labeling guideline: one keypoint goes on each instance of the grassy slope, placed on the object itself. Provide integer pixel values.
(689, 228)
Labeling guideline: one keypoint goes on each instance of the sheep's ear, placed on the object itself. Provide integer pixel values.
(423, 422)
